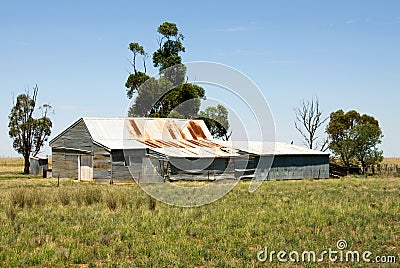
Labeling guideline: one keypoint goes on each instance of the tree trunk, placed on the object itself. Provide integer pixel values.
(26, 164)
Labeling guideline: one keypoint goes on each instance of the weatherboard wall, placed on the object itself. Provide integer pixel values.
(76, 137)
(101, 164)
(66, 149)
(127, 165)
(65, 165)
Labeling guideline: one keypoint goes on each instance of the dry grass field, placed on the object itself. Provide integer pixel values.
(11, 165)
(391, 161)
(101, 225)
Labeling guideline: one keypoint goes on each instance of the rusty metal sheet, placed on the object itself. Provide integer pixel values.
(196, 130)
(167, 129)
(178, 137)
(189, 148)
(136, 131)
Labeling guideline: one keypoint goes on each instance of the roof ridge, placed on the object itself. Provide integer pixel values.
(143, 118)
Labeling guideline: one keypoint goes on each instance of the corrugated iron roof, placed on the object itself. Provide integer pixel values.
(270, 148)
(282, 148)
(172, 137)
(177, 138)
(147, 128)
(189, 148)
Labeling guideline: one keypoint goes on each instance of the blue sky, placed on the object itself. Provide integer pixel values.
(345, 52)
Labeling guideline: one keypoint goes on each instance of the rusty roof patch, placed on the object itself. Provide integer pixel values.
(187, 148)
(182, 134)
(209, 144)
(192, 133)
(196, 130)
(152, 143)
(203, 143)
(135, 128)
(158, 129)
(178, 129)
(186, 143)
(171, 128)
(196, 143)
(170, 144)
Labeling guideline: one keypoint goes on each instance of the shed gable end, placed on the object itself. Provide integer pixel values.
(77, 137)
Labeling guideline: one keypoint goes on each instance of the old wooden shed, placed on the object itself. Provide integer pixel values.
(145, 149)
(155, 149)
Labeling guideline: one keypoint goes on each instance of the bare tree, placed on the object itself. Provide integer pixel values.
(309, 119)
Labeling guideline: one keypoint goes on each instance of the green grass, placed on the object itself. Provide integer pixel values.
(11, 175)
(90, 225)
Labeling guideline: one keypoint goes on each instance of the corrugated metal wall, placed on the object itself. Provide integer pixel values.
(38, 165)
(123, 165)
(283, 167)
(101, 164)
(136, 165)
(201, 169)
(299, 167)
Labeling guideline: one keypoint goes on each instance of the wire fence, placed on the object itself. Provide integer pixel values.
(381, 170)
(384, 170)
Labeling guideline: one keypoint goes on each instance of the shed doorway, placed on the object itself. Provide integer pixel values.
(85, 163)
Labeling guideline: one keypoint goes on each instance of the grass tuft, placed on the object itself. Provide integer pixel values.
(151, 202)
(62, 254)
(10, 211)
(111, 201)
(64, 196)
(17, 197)
(90, 195)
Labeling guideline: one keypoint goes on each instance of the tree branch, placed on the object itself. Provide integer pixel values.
(308, 121)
